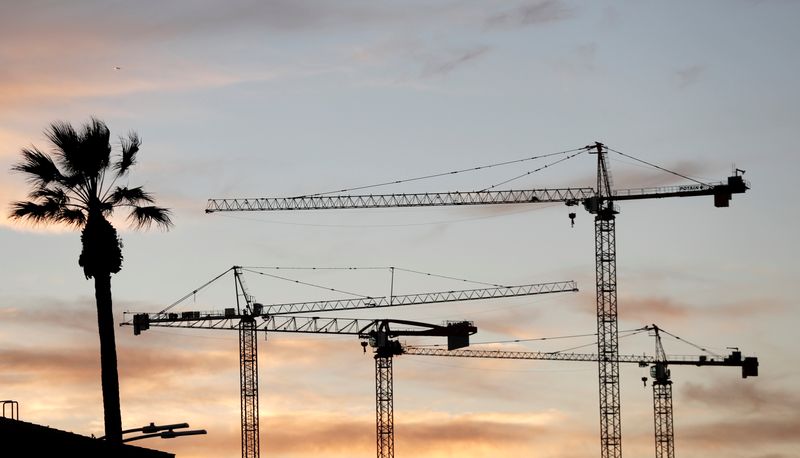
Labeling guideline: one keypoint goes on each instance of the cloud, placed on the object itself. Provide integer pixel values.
(651, 177)
(80, 364)
(761, 431)
(580, 61)
(688, 76)
(182, 46)
(60, 59)
(73, 315)
(531, 14)
(630, 174)
(520, 321)
(427, 434)
(443, 66)
(742, 395)
(660, 309)
(28, 84)
(155, 21)
(417, 433)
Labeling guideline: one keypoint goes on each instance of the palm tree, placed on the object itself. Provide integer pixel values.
(76, 185)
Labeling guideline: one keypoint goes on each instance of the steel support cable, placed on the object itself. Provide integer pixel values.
(249, 269)
(658, 167)
(580, 151)
(629, 332)
(313, 268)
(436, 175)
(515, 340)
(196, 290)
(690, 343)
(449, 278)
(306, 283)
(400, 269)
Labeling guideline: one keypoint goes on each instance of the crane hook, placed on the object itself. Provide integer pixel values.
(572, 219)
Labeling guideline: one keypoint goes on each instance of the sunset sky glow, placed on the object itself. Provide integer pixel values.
(285, 98)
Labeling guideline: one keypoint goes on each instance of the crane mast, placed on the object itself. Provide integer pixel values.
(598, 201)
(384, 406)
(607, 330)
(662, 402)
(248, 383)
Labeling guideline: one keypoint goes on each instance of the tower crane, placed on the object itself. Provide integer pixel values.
(659, 372)
(598, 201)
(385, 349)
(250, 317)
(662, 388)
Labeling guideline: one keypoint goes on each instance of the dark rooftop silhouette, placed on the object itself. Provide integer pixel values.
(20, 438)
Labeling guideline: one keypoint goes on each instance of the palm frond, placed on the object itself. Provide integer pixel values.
(72, 217)
(106, 208)
(86, 153)
(130, 146)
(39, 213)
(96, 140)
(39, 167)
(67, 143)
(130, 196)
(144, 217)
(56, 195)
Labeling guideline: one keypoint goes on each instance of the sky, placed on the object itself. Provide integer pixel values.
(283, 98)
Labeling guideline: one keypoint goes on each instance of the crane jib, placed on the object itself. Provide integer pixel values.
(722, 193)
(435, 199)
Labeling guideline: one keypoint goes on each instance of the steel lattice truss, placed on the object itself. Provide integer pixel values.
(607, 337)
(569, 196)
(662, 415)
(642, 360)
(279, 323)
(384, 406)
(301, 324)
(425, 298)
(271, 321)
(248, 381)
(529, 355)
(433, 199)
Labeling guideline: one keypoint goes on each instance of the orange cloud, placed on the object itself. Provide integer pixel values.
(81, 364)
(421, 434)
(759, 432)
(660, 309)
(748, 395)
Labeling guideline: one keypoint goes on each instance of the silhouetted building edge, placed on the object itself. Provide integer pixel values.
(20, 439)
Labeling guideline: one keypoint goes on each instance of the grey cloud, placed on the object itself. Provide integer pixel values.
(153, 20)
(444, 65)
(748, 396)
(757, 431)
(688, 76)
(535, 13)
(579, 61)
(659, 309)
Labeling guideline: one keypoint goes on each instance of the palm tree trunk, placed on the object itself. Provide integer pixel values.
(108, 358)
